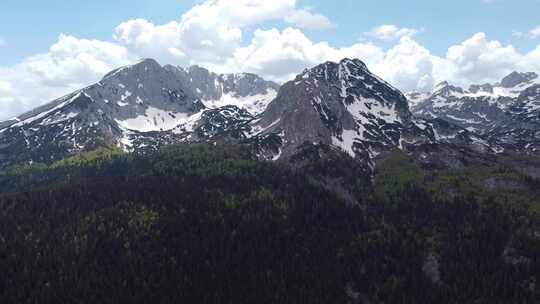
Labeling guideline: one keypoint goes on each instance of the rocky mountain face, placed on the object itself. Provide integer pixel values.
(339, 105)
(346, 106)
(501, 112)
(135, 107)
(520, 131)
(247, 91)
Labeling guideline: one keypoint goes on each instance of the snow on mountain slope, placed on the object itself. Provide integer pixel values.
(141, 105)
(346, 106)
(244, 90)
(415, 98)
(255, 104)
(521, 131)
(341, 105)
(481, 108)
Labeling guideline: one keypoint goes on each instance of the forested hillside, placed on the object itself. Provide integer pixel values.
(211, 224)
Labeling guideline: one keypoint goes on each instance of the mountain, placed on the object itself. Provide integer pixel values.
(364, 197)
(521, 130)
(211, 224)
(134, 107)
(244, 90)
(346, 106)
(341, 105)
(477, 112)
(488, 109)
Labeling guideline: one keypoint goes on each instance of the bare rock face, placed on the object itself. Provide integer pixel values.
(244, 90)
(135, 107)
(521, 130)
(338, 105)
(346, 106)
(505, 113)
(143, 95)
(515, 79)
(341, 104)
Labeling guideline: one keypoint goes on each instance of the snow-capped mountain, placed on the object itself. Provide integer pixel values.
(521, 130)
(342, 105)
(346, 106)
(415, 98)
(480, 109)
(142, 105)
(247, 91)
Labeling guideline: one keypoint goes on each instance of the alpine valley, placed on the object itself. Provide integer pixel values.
(179, 185)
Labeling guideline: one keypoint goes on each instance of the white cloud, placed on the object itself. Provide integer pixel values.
(211, 31)
(532, 34)
(279, 55)
(389, 32)
(535, 32)
(480, 60)
(408, 65)
(150, 40)
(305, 18)
(2, 42)
(70, 64)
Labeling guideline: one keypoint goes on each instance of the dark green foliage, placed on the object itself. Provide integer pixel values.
(210, 224)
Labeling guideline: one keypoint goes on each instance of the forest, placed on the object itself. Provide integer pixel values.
(212, 224)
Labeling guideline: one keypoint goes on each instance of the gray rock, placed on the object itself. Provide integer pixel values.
(142, 106)
(516, 78)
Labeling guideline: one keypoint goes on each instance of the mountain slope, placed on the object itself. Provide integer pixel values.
(343, 105)
(521, 130)
(346, 106)
(134, 107)
(504, 114)
(247, 91)
(211, 224)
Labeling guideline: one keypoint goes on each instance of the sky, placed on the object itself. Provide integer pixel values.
(50, 48)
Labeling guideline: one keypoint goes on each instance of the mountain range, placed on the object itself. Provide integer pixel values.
(505, 113)
(342, 105)
(179, 185)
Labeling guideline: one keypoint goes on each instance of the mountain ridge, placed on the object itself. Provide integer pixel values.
(340, 104)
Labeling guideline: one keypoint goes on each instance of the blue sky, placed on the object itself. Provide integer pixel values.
(31, 26)
(50, 48)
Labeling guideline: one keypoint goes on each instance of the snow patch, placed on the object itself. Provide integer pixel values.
(155, 119)
(347, 143)
(254, 104)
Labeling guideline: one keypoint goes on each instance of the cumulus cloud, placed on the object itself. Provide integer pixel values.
(480, 60)
(389, 32)
(408, 65)
(212, 31)
(535, 32)
(532, 34)
(70, 64)
(150, 40)
(306, 18)
(279, 55)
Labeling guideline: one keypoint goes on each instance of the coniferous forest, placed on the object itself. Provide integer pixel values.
(211, 224)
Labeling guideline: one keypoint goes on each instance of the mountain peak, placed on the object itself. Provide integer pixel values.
(144, 65)
(340, 104)
(355, 62)
(446, 89)
(334, 71)
(440, 85)
(516, 78)
(148, 62)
